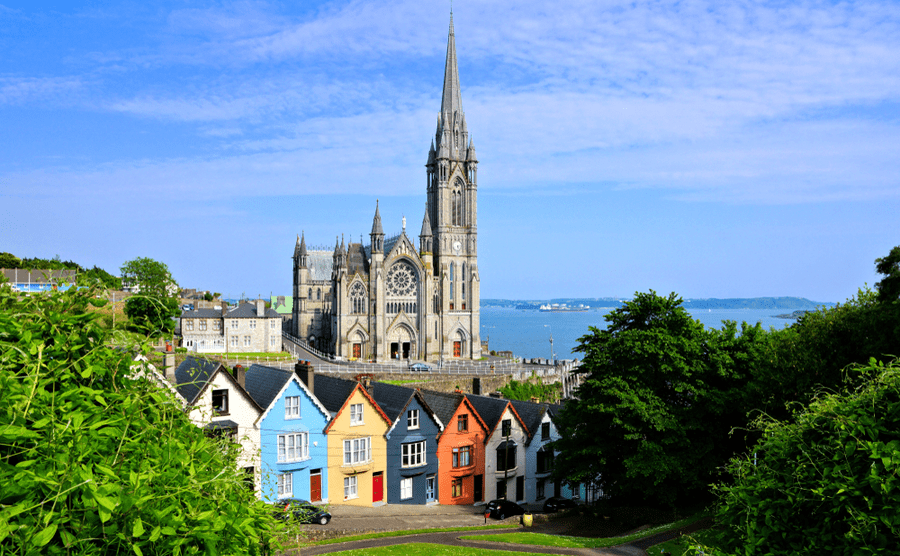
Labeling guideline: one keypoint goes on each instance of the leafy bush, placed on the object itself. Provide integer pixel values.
(826, 482)
(94, 461)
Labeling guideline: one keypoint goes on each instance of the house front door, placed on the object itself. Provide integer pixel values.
(315, 485)
(378, 486)
(520, 488)
(429, 489)
(478, 488)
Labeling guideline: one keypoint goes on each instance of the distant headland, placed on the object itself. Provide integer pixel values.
(606, 303)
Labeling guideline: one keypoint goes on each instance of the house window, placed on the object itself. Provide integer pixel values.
(252, 324)
(272, 324)
(413, 454)
(412, 419)
(545, 431)
(246, 341)
(462, 456)
(350, 488)
(506, 456)
(234, 324)
(462, 422)
(273, 342)
(456, 488)
(292, 407)
(507, 427)
(217, 325)
(202, 325)
(285, 485)
(540, 489)
(357, 450)
(544, 460)
(189, 325)
(293, 447)
(234, 341)
(406, 488)
(220, 402)
(356, 414)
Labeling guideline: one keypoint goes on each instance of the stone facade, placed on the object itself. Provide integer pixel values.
(247, 328)
(390, 299)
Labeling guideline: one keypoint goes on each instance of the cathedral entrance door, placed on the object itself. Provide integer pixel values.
(357, 351)
(457, 349)
(395, 349)
(406, 350)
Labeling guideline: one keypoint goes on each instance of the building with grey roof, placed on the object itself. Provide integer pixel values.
(390, 299)
(246, 328)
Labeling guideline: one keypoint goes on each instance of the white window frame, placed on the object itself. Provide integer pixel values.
(216, 325)
(272, 341)
(292, 407)
(293, 447)
(406, 488)
(234, 324)
(357, 450)
(202, 324)
(272, 324)
(252, 324)
(246, 341)
(356, 414)
(350, 488)
(412, 419)
(234, 341)
(285, 485)
(413, 454)
(189, 325)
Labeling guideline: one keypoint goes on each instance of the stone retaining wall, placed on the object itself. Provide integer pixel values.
(443, 382)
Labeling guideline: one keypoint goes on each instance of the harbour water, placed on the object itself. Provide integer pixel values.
(527, 333)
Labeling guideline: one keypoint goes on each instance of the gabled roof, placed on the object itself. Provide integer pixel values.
(445, 405)
(394, 400)
(202, 314)
(321, 264)
(366, 395)
(491, 410)
(264, 383)
(248, 311)
(357, 260)
(332, 392)
(531, 414)
(315, 401)
(192, 375)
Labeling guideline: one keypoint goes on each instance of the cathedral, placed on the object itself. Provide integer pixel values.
(389, 300)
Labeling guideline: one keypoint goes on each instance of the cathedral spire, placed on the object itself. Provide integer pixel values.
(302, 247)
(451, 101)
(376, 222)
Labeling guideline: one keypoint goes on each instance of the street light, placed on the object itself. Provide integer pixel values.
(552, 358)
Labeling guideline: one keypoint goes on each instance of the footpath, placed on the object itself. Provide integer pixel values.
(350, 520)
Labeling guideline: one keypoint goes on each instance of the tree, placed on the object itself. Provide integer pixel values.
(652, 417)
(824, 482)
(889, 286)
(154, 306)
(96, 461)
(8, 260)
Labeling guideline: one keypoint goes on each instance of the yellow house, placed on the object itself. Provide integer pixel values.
(357, 449)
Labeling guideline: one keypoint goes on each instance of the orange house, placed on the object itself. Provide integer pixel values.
(460, 449)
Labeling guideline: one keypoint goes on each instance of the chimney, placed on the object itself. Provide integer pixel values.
(260, 308)
(476, 386)
(240, 375)
(169, 365)
(366, 380)
(306, 374)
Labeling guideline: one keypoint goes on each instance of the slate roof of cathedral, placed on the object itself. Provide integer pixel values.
(263, 383)
(320, 265)
(357, 260)
(192, 375)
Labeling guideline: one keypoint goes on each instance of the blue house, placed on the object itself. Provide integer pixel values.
(412, 461)
(293, 447)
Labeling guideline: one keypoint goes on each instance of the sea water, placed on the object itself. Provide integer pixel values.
(527, 333)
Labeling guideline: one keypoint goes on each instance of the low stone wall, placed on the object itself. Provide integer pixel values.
(444, 382)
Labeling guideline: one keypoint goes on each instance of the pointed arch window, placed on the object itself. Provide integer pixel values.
(358, 301)
(457, 204)
(462, 287)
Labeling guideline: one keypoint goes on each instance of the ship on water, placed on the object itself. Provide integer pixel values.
(563, 308)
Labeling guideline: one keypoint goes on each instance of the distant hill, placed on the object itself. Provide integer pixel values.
(792, 303)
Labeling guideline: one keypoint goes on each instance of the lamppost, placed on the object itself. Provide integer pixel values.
(552, 357)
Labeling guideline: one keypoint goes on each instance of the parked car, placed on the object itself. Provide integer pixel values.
(302, 511)
(501, 509)
(554, 504)
(420, 367)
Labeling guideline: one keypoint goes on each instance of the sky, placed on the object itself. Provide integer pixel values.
(708, 148)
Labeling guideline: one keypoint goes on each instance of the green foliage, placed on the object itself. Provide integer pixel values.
(97, 275)
(889, 286)
(152, 277)
(152, 309)
(208, 296)
(52, 264)
(8, 260)
(533, 387)
(94, 461)
(825, 482)
(653, 416)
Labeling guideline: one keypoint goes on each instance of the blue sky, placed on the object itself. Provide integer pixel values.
(714, 149)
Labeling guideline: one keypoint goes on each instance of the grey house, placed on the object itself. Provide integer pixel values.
(412, 462)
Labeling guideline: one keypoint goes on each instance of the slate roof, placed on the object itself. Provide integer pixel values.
(248, 311)
(202, 314)
(490, 409)
(357, 260)
(320, 265)
(192, 375)
(263, 383)
(391, 398)
(443, 404)
(531, 414)
(332, 392)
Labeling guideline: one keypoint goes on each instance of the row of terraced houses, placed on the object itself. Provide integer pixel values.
(362, 442)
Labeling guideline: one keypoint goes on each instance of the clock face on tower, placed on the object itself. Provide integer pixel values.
(401, 280)
(457, 246)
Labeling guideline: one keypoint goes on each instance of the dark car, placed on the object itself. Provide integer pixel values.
(555, 504)
(420, 367)
(501, 509)
(302, 511)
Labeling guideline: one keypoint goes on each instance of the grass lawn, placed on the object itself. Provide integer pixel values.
(679, 546)
(425, 549)
(386, 534)
(543, 539)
